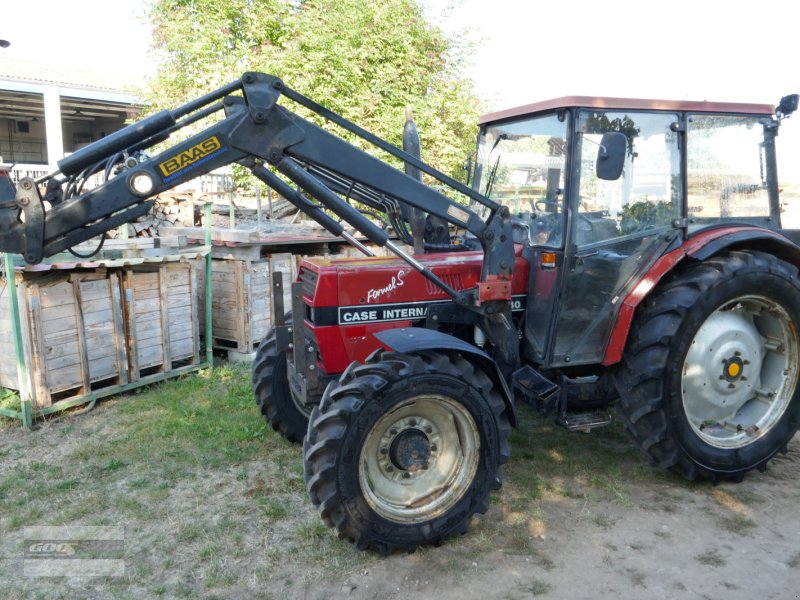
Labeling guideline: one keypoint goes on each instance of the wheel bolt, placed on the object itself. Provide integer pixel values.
(393, 431)
(406, 475)
(433, 448)
(389, 468)
(413, 422)
(429, 429)
(384, 450)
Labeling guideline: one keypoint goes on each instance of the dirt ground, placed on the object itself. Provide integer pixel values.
(214, 507)
(670, 540)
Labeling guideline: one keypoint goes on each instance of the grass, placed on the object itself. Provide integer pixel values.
(712, 558)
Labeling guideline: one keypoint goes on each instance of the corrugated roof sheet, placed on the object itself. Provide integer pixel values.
(31, 71)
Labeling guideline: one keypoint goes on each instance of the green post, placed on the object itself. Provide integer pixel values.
(209, 339)
(231, 210)
(16, 331)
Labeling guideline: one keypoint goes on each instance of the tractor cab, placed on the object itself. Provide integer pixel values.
(592, 230)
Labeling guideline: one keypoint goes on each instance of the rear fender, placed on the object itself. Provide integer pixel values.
(414, 339)
(701, 246)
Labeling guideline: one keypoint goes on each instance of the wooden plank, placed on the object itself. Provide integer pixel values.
(56, 295)
(151, 356)
(144, 280)
(60, 325)
(177, 276)
(84, 364)
(129, 323)
(163, 277)
(95, 319)
(67, 360)
(196, 310)
(90, 306)
(118, 322)
(148, 325)
(182, 348)
(217, 234)
(103, 367)
(147, 294)
(64, 378)
(59, 313)
(180, 291)
(95, 290)
(147, 306)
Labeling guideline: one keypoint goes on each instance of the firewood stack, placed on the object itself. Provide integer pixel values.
(171, 210)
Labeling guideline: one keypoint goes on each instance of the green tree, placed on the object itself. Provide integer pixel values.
(364, 60)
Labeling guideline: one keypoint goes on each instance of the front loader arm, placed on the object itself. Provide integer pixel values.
(255, 130)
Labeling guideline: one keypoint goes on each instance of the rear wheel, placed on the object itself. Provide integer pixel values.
(281, 407)
(405, 449)
(709, 382)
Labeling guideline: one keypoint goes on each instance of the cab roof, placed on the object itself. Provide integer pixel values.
(627, 104)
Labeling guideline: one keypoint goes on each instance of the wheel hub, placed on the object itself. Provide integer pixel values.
(733, 368)
(410, 450)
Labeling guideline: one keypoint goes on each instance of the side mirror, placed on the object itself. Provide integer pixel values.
(611, 156)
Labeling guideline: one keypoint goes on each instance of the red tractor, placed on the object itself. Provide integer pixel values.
(609, 251)
(667, 288)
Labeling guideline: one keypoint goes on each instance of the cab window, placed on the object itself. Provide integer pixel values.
(646, 197)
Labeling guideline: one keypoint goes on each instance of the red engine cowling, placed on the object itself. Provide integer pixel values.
(349, 300)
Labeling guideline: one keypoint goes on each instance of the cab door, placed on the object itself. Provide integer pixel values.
(617, 229)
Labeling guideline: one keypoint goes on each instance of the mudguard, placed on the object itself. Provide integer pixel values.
(700, 246)
(413, 339)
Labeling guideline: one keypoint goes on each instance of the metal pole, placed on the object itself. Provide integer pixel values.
(259, 215)
(232, 209)
(16, 330)
(269, 203)
(209, 339)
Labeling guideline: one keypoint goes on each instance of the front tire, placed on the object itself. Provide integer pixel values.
(405, 449)
(709, 381)
(280, 407)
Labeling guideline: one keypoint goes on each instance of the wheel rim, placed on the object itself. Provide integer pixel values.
(301, 406)
(419, 459)
(740, 372)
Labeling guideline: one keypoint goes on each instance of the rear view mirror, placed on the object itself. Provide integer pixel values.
(611, 156)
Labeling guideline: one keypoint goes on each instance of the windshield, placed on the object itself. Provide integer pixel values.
(521, 165)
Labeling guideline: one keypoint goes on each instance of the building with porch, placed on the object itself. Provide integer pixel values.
(47, 112)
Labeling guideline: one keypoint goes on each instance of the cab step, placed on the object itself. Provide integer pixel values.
(584, 421)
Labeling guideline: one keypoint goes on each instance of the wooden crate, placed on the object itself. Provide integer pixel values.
(161, 317)
(72, 331)
(242, 299)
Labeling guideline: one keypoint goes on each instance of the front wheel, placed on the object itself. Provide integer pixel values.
(405, 449)
(709, 382)
(280, 406)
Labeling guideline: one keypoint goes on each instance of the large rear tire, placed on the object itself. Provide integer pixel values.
(405, 449)
(709, 381)
(287, 414)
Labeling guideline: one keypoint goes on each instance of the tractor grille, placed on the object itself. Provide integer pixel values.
(453, 280)
(309, 280)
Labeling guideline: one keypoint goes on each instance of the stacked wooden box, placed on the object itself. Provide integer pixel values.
(242, 299)
(161, 308)
(85, 330)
